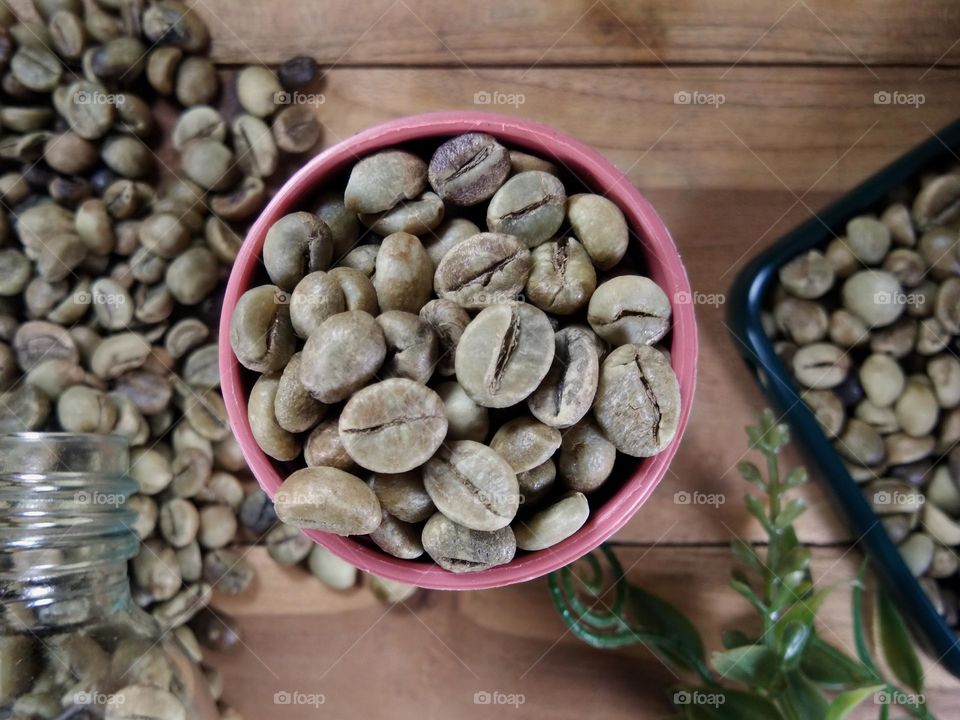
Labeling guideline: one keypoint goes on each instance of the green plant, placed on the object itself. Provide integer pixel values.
(789, 672)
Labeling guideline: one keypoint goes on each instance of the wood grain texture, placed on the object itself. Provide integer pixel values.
(559, 32)
(428, 657)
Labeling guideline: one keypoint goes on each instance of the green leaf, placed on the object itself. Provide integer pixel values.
(751, 473)
(804, 698)
(792, 510)
(744, 552)
(793, 642)
(738, 705)
(844, 703)
(734, 639)
(753, 665)
(756, 438)
(832, 668)
(756, 508)
(859, 622)
(796, 560)
(660, 617)
(897, 646)
(803, 612)
(797, 477)
(744, 589)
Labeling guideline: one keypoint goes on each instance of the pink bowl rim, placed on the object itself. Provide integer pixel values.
(665, 266)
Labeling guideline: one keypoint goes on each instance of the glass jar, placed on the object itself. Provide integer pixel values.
(73, 644)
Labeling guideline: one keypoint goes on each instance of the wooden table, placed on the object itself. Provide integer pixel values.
(793, 125)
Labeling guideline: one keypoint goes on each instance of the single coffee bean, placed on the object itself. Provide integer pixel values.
(398, 538)
(459, 549)
(411, 346)
(522, 162)
(504, 354)
(223, 488)
(201, 121)
(917, 409)
(448, 321)
(882, 379)
(333, 572)
(328, 499)
(402, 279)
(357, 288)
(897, 340)
(244, 201)
(845, 329)
(323, 447)
(112, 305)
(196, 82)
(600, 226)
(15, 272)
(297, 72)
(295, 245)
(164, 235)
(162, 63)
(874, 296)
(630, 309)
(869, 239)
(472, 485)
(146, 390)
(417, 217)
(258, 90)
(223, 241)
(938, 202)
(553, 524)
(380, 181)
(193, 276)
(179, 522)
(938, 247)
(808, 276)
(882, 419)
(821, 366)
(530, 205)
(907, 266)
(562, 277)
(469, 168)
(86, 410)
(36, 68)
(900, 448)
(362, 258)
(261, 335)
(184, 336)
(295, 409)
(170, 22)
(944, 372)
(218, 526)
(946, 307)
(393, 426)
(287, 546)
(253, 143)
(70, 154)
(638, 400)
(191, 469)
(151, 470)
(568, 390)
(209, 163)
(276, 442)
(525, 443)
(136, 701)
(201, 369)
(403, 495)
(486, 269)
(342, 356)
(314, 299)
(296, 129)
(536, 483)
(465, 419)
(155, 570)
(256, 513)
(450, 233)
(342, 222)
(861, 444)
(828, 409)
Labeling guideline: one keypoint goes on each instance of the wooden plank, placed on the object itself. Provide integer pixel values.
(552, 32)
(778, 128)
(430, 656)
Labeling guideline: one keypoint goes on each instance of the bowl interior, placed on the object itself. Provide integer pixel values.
(652, 253)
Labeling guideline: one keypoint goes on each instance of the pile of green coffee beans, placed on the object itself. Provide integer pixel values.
(868, 326)
(454, 393)
(112, 260)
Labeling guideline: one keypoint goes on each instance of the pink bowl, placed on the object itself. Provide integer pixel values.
(663, 265)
